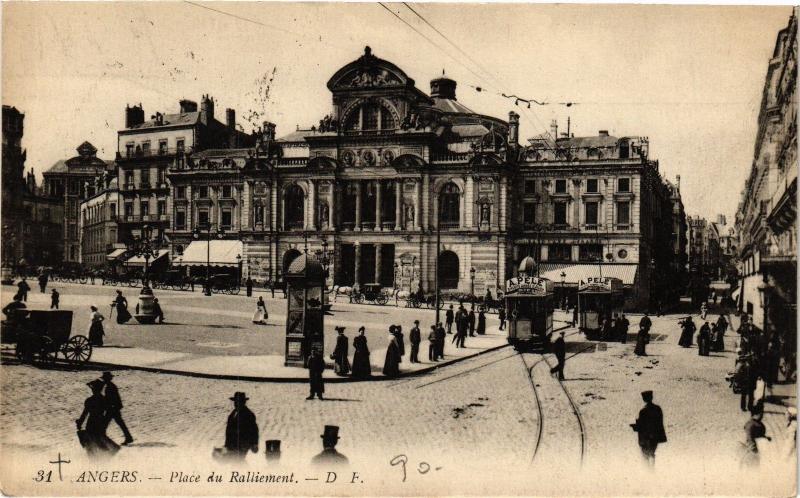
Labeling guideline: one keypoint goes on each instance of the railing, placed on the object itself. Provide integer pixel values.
(135, 218)
(293, 161)
(367, 133)
(449, 158)
(134, 154)
(446, 225)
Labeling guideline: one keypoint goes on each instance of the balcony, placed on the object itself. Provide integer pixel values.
(148, 153)
(143, 218)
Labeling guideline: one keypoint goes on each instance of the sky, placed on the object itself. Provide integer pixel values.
(688, 77)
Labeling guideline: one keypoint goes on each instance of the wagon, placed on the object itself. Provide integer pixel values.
(43, 335)
(372, 293)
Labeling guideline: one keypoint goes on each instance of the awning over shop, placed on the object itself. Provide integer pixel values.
(115, 254)
(575, 272)
(139, 260)
(220, 253)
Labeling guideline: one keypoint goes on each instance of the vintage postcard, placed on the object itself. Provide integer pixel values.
(398, 249)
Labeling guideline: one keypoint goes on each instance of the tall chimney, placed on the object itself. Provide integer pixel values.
(269, 131)
(230, 118)
(134, 116)
(554, 129)
(188, 106)
(206, 109)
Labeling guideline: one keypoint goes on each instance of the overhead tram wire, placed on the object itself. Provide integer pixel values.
(483, 79)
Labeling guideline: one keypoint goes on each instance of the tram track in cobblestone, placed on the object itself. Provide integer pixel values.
(575, 410)
(540, 414)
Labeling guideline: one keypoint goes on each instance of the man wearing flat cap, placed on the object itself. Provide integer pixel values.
(329, 456)
(241, 433)
(650, 427)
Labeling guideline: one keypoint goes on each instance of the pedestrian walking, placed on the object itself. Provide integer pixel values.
(91, 277)
(361, 365)
(96, 331)
(114, 406)
(623, 328)
(43, 282)
(433, 345)
(329, 457)
(248, 284)
(754, 429)
(719, 339)
(607, 330)
(687, 332)
(560, 350)
(703, 311)
(94, 437)
(54, 298)
(704, 340)
(471, 321)
(316, 367)
(650, 428)
(645, 323)
(241, 431)
(23, 289)
(501, 314)
(260, 315)
(121, 305)
(440, 336)
(341, 363)
(641, 342)
(481, 322)
(746, 379)
(391, 364)
(414, 337)
(158, 311)
(401, 343)
(448, 319)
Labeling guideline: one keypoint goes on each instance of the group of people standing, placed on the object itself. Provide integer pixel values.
(709, 338)
(615, 329)
(465, 322)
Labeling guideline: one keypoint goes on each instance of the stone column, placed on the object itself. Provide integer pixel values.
(426, 204)
(358, 206)
(378, 205)
(398, 205)
(333, 202)
(312, 205)
(357, 269)
(469, 202)
(501, 214)
(377, 262)
(418, 205)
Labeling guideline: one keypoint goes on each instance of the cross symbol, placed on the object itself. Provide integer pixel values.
(59, 462)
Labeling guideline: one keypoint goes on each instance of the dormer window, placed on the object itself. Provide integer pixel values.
(370, 116)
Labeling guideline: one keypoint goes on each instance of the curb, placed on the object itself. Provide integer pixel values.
(281, 380)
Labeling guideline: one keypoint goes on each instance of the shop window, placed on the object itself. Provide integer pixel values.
(559, 252)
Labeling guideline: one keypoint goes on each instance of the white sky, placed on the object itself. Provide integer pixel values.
(689, 77)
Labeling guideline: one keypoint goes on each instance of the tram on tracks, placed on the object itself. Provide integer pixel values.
(598, 298)
(529, 310)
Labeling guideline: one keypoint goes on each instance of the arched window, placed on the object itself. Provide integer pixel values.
(448, 270)
(294, 206)
(449, 204)
(370, 116)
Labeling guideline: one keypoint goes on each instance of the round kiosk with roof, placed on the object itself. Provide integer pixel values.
(305, 279)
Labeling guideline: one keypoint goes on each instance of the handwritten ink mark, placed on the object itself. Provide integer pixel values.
(59, 461)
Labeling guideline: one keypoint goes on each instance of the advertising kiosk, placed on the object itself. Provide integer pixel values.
(529, 310)
(598, 298)
(305, 280)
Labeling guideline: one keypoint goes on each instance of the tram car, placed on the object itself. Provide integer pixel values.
(598, 298)
(529, 311)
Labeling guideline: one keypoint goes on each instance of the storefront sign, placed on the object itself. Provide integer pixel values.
(528, 285)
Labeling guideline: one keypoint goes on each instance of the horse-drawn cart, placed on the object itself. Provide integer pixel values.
(40, 336)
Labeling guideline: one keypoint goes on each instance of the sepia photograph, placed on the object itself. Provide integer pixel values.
(398, 249)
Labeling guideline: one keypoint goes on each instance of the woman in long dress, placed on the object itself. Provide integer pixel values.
(641, 342)
(687, 333)
(121, 305)
(361, 365)
(260, 316)
(704, 340)
(95, 413)
(341, 364)
(391, 365)
(96, 331)
(481, 323)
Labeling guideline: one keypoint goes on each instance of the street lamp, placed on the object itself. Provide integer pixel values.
(238, 270)
(472, 284)
(563, 290)
(143, 246)
(196, 233)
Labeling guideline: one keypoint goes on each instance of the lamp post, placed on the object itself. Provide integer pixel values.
(238, 270)
(196, 233)
(472, 284)
(563, 291)
(142, 246)
(438, 244)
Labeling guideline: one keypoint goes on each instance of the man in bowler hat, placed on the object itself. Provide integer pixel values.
(329, 456)
(316, 367)
(415, 337)
(241, 433)
(114, 403)
(650, 428)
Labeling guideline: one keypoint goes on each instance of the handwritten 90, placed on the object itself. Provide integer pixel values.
(402, 460)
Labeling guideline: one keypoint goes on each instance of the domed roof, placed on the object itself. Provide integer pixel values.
(304, 266)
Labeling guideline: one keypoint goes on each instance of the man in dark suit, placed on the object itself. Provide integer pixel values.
(241, 433)
(471, 321)
(560, 350)
(414, 337)
(316, 367)
(433, 344)
(448, 319)
(650, 428)
(329, 456)
(440, 335)
(114, 403)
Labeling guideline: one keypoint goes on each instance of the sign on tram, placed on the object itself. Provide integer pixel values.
(607, 284)
(528, 285)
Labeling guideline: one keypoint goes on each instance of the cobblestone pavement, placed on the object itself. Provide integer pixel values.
(476, 422)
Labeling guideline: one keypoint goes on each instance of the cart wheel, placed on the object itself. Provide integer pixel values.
(131, 283)
(47, 353)
(21, 352)
(184, 286)
(360, 299)
(78, 349)
(83, 280)
(381, 299)
(235, 290)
